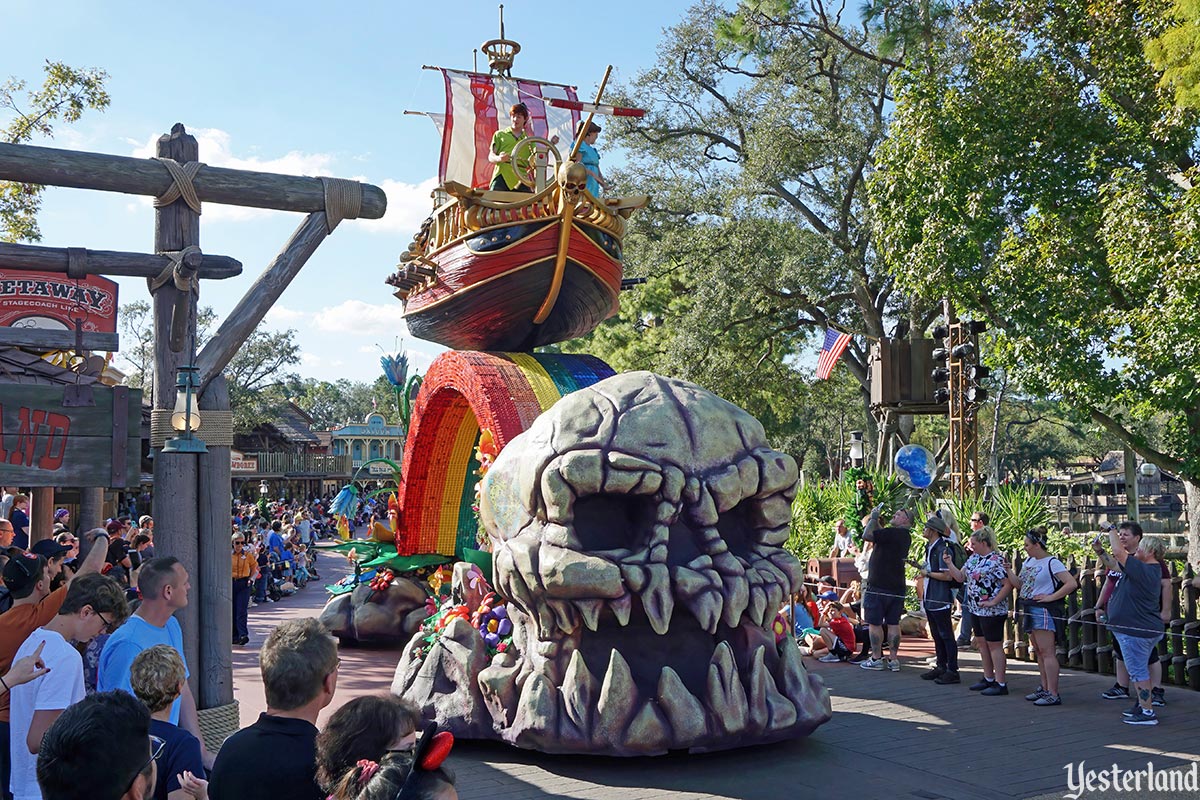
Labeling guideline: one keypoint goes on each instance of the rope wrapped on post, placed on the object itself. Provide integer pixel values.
(217, 724)
(216, 427)
(181, 184)
(184, 266)
(77, 263)
(343, 200)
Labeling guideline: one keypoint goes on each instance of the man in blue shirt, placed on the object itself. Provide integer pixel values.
(163, 583)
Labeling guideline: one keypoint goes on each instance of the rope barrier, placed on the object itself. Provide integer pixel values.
(181, 184)
(343, 200)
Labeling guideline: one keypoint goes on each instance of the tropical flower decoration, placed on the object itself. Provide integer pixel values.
(395, 369)
(490, 619)
(440, 578)
(495, 627)
(344, 502)
(780, 628)
(486, 451)
(382, 581)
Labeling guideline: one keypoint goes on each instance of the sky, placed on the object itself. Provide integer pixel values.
(302, 88)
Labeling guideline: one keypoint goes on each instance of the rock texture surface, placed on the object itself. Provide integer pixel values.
(638, 529)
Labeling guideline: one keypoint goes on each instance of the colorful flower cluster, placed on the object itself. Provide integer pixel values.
(490, 619)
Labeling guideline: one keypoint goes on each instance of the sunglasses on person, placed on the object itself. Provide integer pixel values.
(157, 746)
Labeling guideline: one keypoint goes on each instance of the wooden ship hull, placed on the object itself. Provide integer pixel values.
(510, 271)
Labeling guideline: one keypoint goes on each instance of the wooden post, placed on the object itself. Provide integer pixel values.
(175, 510)
(1191, 629)
(41, 518)
(216, 577)
(1087, 581)
(1074, 627)
(1178, 660)
(91, 509)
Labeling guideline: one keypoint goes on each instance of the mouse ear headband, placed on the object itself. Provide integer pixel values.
(431, 751)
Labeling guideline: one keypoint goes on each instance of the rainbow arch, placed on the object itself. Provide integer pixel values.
(462, 393)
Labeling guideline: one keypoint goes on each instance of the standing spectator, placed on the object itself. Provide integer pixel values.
(986, 587)
(33, 605)
(146, 526)
(244, 568)
(1043, 583)
(1135, 620)
(119, 563)
(6, 501)
(7, 534)
(276, 756)
(93, 603)
(99, 748)
(965, 627)
(937, 601)
(883, 598)
(164, 585)
(55, 555)
(157, 678)
(1130, 534)
(19, 517)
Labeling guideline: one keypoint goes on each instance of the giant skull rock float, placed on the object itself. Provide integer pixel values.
(637, 529)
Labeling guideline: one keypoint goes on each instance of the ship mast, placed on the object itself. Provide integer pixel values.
(500, 52)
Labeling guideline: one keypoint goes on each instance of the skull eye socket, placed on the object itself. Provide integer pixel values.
(612, 522)
(737, 529)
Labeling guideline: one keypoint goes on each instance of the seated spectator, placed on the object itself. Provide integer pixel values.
(276, 756)
(93, 603)
(157, 677)
(98, 748)
(366, 728)
(835, 640)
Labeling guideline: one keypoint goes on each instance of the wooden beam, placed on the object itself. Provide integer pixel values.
(108, 262)
(236, 187)
(45, 339)
(242, 321)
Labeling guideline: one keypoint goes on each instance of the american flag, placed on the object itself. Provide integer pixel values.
(831, 351)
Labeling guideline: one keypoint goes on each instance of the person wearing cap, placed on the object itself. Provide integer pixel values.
(937, 601)
(62, 517)
(55, 554)
(34, 605)
(885, 585)
(146, 526)
(589, 156)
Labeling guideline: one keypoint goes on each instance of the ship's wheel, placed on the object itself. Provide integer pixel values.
(534, 181)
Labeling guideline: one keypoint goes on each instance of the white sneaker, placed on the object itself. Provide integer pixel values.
(829, 658)
(874, 664)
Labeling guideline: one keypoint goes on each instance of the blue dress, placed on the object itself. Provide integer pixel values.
(590, 158)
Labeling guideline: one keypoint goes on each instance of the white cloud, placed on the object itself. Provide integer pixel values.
(310, 359)
(408, 205)
(357, 318)
(216, 150)
(284, 317)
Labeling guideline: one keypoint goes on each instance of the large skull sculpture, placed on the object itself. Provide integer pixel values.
(637, 527)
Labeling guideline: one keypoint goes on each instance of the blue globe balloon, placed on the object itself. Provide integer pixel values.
(915, 466)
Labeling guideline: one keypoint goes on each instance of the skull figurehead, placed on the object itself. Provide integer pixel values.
(638, 529)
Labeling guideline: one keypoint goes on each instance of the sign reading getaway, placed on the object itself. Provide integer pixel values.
(52, 301)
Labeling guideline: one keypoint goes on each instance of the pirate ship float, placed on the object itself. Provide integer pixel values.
(511, 271)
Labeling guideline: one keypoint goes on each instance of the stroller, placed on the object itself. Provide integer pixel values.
(279, 582)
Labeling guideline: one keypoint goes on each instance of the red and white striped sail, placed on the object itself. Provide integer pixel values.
(477, 106)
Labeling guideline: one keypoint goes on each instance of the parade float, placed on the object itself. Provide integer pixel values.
(576, 561)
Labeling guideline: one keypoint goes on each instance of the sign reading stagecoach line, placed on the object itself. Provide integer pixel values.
(44, 443)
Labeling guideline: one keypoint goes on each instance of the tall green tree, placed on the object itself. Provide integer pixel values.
(761, 130)
(1040, 173)
(28, 114)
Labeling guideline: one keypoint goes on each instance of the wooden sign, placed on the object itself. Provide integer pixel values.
(43, 307)
(238, 462)
(45, 443)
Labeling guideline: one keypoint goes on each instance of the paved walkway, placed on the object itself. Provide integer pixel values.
(892, 736)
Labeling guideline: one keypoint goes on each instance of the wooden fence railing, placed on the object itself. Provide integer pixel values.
(1088, 644)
